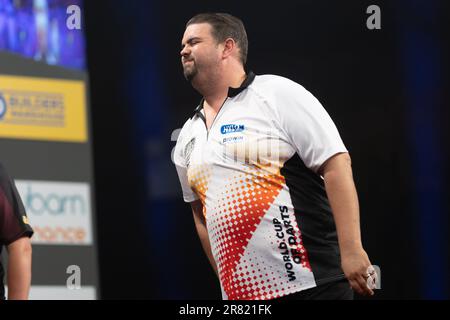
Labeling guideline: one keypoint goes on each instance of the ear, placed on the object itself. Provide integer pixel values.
(229, 48)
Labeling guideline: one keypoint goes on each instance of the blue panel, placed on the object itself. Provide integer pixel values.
(422, 64)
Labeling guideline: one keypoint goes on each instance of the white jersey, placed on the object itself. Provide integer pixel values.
(269, 222)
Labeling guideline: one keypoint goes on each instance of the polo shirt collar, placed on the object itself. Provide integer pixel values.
(232, 92)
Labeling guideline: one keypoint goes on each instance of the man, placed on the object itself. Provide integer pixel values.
(41, 12)
(267, 175)
(15, 233)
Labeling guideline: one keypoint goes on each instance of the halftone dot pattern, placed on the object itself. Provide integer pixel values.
(267, 276)
(260, 279)
(239, 207)
(243, 202)
(198, 176)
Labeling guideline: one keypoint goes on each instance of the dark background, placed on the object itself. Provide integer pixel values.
(385, 89)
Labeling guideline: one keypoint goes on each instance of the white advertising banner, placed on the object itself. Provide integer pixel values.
(59, 212)
(61, 293)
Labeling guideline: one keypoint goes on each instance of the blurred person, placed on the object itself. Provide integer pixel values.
(40, 8)
(8, 26)
(25, 29)
(15, 234)
(2, 24)
(54, 51)
(267, 175)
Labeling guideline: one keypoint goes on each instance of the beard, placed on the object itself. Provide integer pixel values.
(190, 71)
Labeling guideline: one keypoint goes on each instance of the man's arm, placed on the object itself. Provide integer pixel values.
(19, 269)
(341, 191)
(200, 225)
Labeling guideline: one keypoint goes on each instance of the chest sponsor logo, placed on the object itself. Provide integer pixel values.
(232, 128)
(232, 139)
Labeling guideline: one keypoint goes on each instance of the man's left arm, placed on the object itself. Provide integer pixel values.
(341, 191)
(19, 269)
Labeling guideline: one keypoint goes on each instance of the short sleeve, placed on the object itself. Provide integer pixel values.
(180, 162)
(307, 125)
(13, 219)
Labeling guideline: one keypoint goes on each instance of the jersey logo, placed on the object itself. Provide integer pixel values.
(188, 150)
(25, 220)
(231, 128)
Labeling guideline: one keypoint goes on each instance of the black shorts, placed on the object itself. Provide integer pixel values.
(336, 290)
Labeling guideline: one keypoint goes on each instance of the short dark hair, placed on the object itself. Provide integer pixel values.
(225, 26)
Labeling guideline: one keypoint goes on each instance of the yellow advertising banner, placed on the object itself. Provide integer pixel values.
(42, 109)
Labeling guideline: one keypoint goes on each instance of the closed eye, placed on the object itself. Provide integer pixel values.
(191, 42)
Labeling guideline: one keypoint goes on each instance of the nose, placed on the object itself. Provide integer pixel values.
(184, 52)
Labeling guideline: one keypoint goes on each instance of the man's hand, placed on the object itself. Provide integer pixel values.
(356, 267)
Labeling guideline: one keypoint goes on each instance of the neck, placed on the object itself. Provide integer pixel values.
(215, 89)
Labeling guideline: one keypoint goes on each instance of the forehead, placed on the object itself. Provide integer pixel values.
(197, 30)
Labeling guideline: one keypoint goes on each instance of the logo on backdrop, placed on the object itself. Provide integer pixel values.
(42, 109)
(59, 212)
(2, 106)
(33, 108)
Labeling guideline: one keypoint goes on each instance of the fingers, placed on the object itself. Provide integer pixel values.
(360, 286)
(363, 285)
(359, 272)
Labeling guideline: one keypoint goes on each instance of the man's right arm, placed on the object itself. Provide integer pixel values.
(200, 225)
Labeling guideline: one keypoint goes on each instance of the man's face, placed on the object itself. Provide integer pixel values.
(200, 52)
